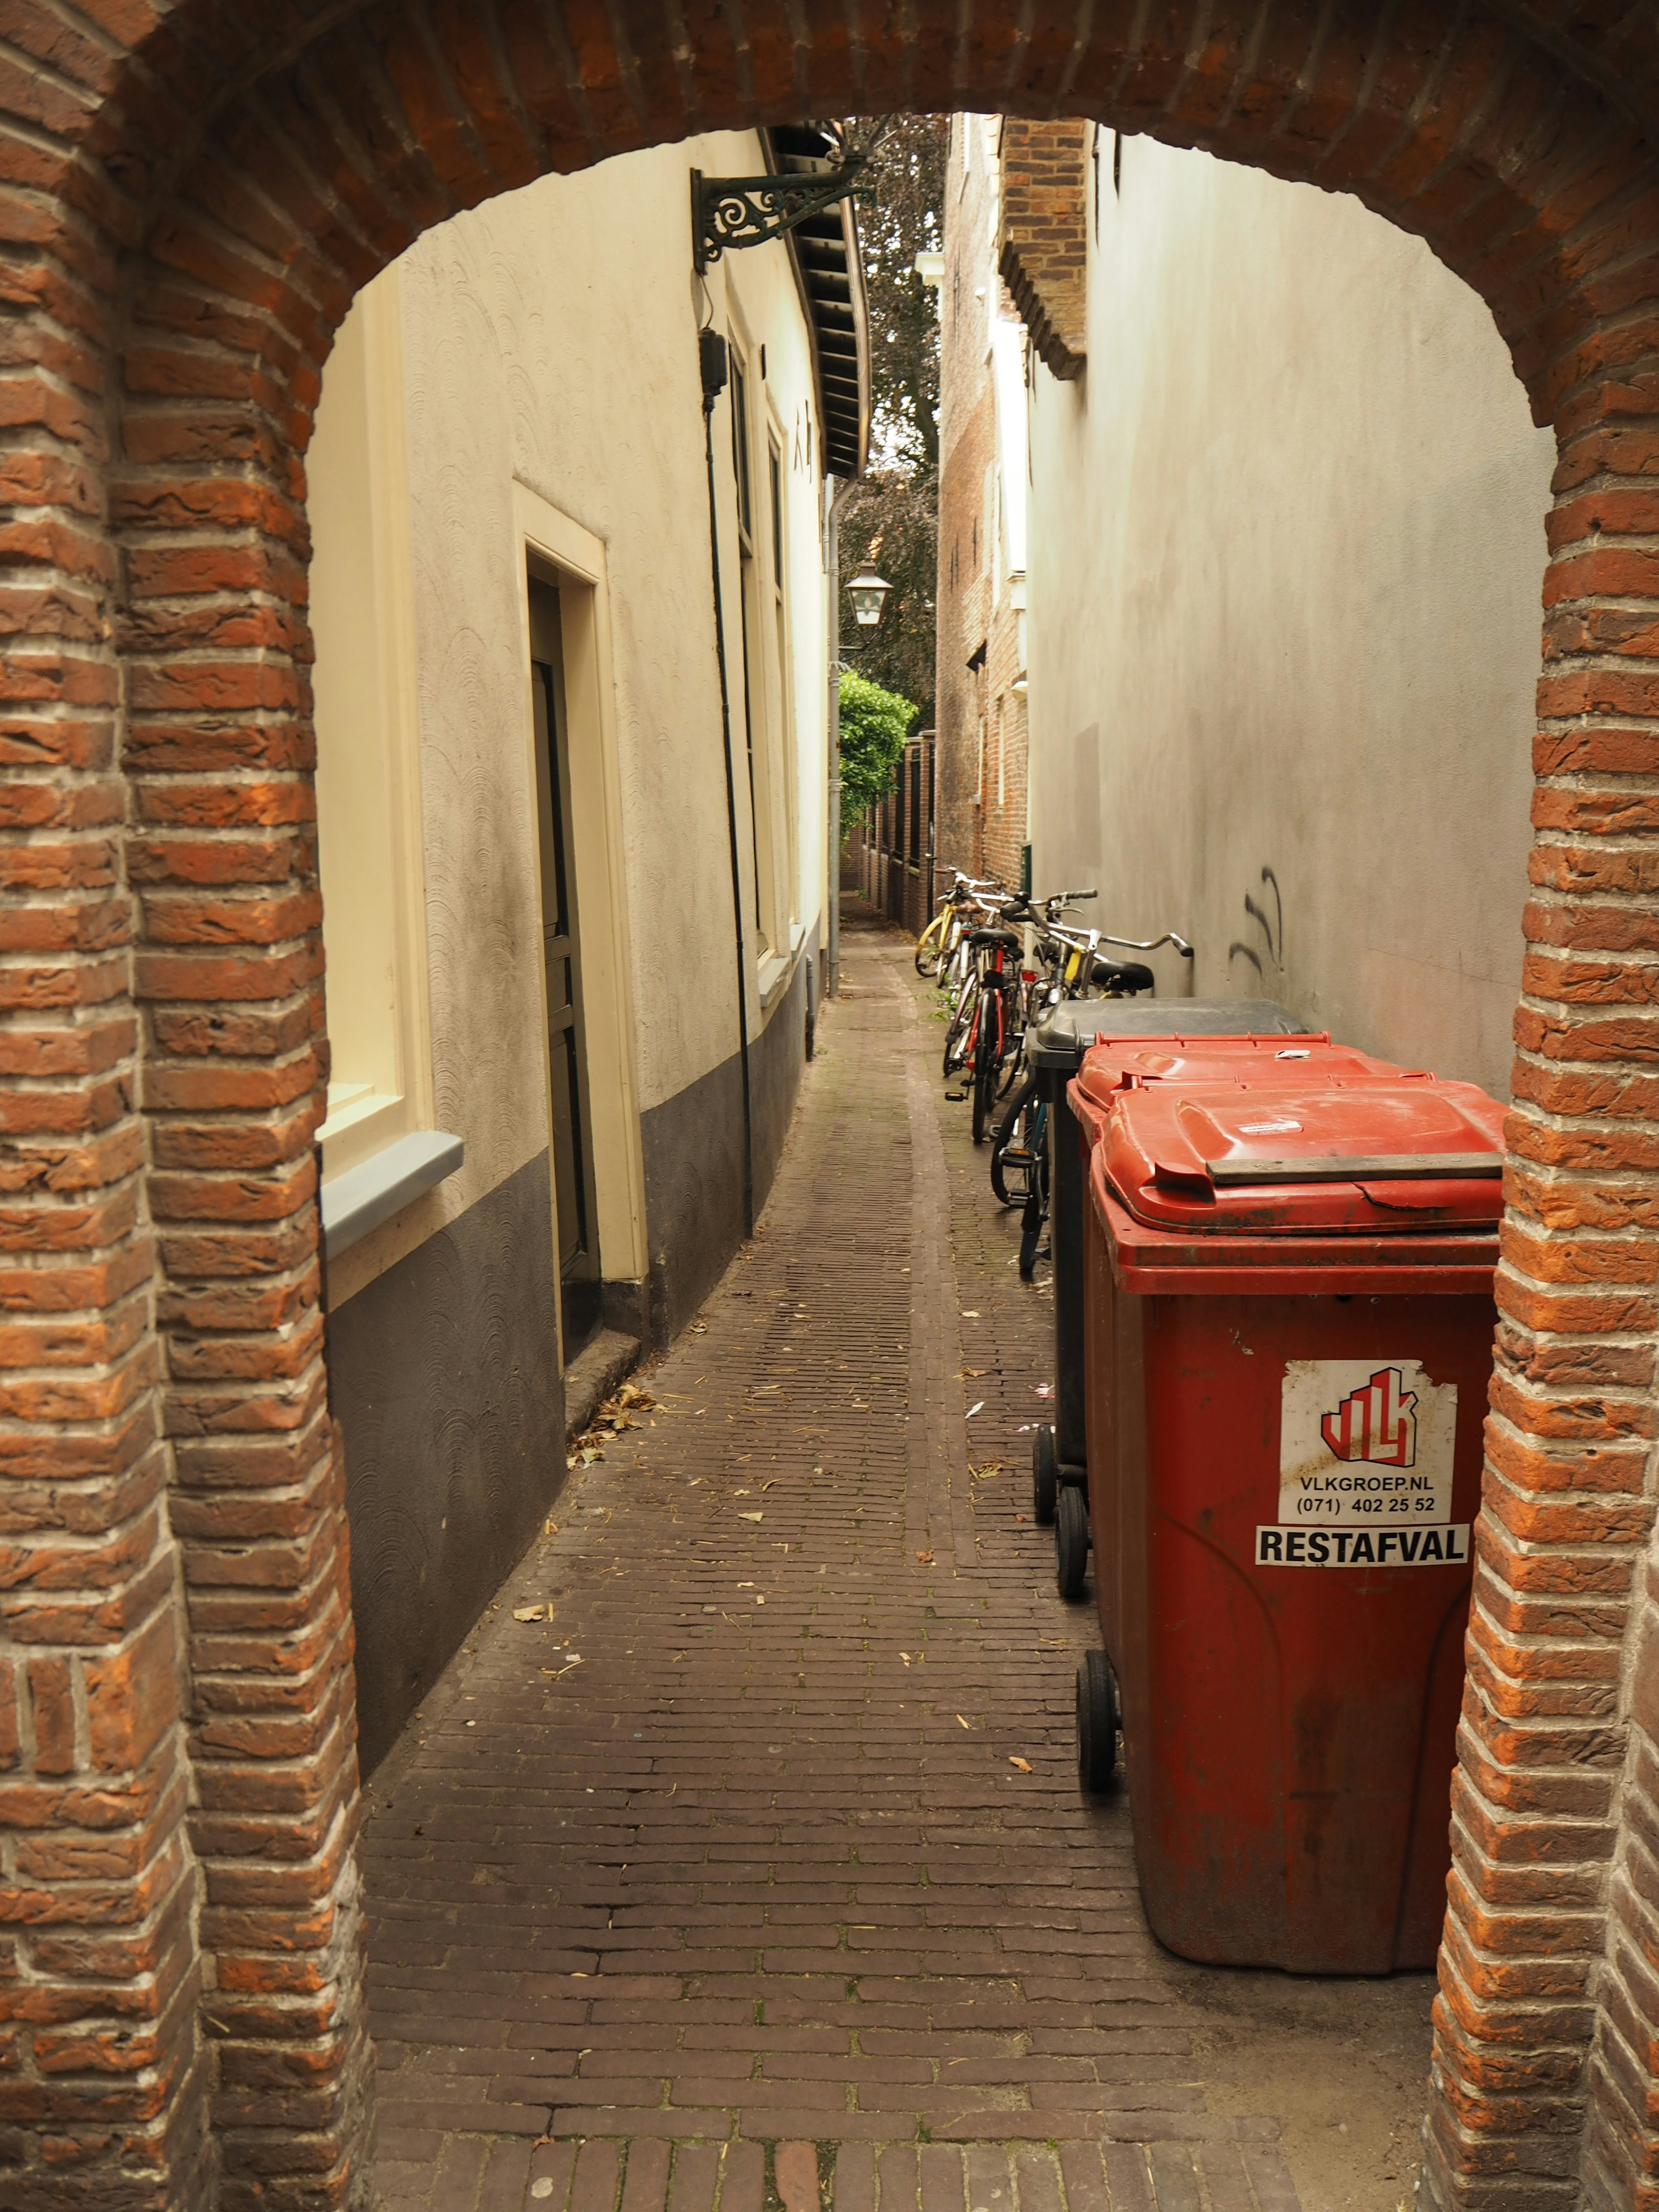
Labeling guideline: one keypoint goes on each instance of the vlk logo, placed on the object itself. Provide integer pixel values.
(1377, 1422)
(1365, 1441)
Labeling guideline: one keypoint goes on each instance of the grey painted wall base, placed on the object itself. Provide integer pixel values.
(693, 1145)
(444, 1376)
(444, 1371)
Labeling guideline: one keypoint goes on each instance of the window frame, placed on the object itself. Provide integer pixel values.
(368, 764)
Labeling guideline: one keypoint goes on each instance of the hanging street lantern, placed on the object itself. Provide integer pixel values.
(867, 591)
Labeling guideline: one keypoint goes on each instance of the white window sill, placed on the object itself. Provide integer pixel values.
(362, 1121)
(365, 1195)
(776, 969)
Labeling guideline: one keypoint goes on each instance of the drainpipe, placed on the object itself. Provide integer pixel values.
(832, 563)
(712, 352)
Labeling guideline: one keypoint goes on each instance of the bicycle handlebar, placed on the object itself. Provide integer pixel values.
(1151, 944)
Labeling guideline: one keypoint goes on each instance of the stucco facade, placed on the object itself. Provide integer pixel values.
(467, 456)
(981, 810)
(1286, 540)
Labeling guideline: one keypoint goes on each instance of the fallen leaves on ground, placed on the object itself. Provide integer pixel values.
(991, 1467)
(615, 1414)
(1023, 1765)
(966, 1724)
(925, 1557)
(751, 1516)
(532, 1613)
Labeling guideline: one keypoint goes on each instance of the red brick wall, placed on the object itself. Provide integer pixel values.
(980, 832)
(1042, 246)
(190, 194)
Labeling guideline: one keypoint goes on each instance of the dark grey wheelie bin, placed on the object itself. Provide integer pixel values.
(1059, 1452)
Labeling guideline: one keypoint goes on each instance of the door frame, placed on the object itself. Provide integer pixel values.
(555, 550)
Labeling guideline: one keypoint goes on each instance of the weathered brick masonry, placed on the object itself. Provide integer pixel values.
(190, 194)
(1042, 246)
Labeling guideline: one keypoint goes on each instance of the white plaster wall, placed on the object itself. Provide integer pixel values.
(550, 336)
(1286, 550)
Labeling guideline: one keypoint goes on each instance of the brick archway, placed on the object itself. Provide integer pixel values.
(189, 210)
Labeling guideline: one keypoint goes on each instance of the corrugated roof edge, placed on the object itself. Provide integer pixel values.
(843, 427)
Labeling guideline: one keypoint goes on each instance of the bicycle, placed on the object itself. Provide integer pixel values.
(939, 939)
(1020, 1159)
(981, 1040)
(1041, 963)
(993, 1005)
(981, 913)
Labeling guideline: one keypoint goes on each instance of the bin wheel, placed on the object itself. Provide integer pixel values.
(1045, 1474)
(1099, 1716)
(1071, 1538)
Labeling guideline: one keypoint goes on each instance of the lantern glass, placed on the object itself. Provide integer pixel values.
(867, 591)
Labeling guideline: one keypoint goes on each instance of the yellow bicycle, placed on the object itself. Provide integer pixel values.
(937, 943)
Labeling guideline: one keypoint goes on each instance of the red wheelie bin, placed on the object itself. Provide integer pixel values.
(1288, 1318)
(1249, 1042)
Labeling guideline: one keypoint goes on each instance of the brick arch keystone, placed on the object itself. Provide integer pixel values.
(191, 194)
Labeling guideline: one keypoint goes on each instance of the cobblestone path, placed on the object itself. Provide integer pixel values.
(760, 1876)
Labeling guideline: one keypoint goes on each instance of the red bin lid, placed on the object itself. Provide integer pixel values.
(1116, 1064)
(1365, 1157)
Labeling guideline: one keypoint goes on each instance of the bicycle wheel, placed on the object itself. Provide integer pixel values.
(1013, 1158)
(988, 1060)
(930, 947)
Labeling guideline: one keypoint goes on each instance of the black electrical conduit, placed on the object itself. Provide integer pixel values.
(711, 349)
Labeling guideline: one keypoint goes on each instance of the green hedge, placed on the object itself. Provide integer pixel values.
(874, 725)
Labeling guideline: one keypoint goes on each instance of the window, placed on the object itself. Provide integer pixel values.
(753, 684)
(762, 491)
(368, 790)
(782, 725)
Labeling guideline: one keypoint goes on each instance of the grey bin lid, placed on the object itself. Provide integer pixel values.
(1068, 1030)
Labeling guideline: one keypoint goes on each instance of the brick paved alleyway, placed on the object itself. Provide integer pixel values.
(733, 1854)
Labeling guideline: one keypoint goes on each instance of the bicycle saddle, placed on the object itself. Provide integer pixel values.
(994, 937)
(1123, 976)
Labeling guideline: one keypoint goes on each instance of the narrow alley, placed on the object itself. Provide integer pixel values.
(765, 1856)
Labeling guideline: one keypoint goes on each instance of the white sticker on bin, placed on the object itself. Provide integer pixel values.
(1364, 1443)
(1447, 1546)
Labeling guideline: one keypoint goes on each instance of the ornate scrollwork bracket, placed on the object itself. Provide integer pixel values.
(731, 212)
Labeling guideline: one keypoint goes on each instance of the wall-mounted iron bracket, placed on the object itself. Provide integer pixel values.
(731, 212)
